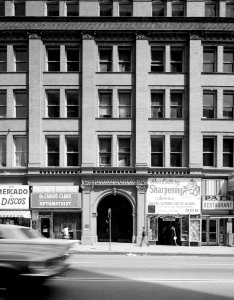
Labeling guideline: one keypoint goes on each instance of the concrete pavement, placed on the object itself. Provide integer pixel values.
(133, 249)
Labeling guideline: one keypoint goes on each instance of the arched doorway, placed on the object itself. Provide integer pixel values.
(121, 219)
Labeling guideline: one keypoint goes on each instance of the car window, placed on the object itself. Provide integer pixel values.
(19, 233)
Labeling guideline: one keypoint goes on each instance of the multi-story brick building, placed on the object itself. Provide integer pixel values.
(118, 106)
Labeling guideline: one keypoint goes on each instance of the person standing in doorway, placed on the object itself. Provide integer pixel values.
(173, 236)
(144, 237)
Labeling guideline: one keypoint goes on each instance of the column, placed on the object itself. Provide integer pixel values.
(88, 100)
(195, 102)
(35, 100)
(141, 210)
(87, 232)
(142, 93)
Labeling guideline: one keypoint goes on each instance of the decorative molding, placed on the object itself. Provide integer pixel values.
(88, 36)
(34, 36)
(142, 187)
(87, 187)
(114, 181)
(140, 36)
(195, 36)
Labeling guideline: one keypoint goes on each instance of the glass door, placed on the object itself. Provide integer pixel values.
(213, 232)
(204, 231)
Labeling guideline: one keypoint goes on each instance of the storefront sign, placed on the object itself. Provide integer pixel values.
(217, 202)
(174, 196)
(114, 180)
(56, 200)
(15, 197)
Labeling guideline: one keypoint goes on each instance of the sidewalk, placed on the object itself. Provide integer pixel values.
(133, 249)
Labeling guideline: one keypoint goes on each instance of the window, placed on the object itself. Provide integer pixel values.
(228, 152)
(105, 104)
(72, 151)
(176, 152)
(72, 104)
(3, 59)
(2, 151)
(53, 151)
(2, 8)
(176, 105)
(228, 105)
(209, 60)
(21, 151)
(105, 151)
(53, 104)
(230, 9)
(124, 152)
(52, 8)
(106, 8)
(125, 8)
(178, 8)
(157, 149)
(124, 59)
(3, 102)
(21, 104)
(211, 8)
(72, 8)
(228, 61)
(158, 8)
(157, 60)
(105, 59)
(157, 104)
(53, 59)
(19, 8)
(176, 60)
(125, 107)
(208, 152)
(209, 104)
(72, 59)
(21, 59)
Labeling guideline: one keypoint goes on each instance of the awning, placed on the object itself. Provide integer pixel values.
(15, 214)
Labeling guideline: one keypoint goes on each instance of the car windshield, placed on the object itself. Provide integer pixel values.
(19, 233)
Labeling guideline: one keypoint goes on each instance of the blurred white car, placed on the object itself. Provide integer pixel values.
(25, 254)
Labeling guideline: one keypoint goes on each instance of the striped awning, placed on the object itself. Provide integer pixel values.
(15, 214)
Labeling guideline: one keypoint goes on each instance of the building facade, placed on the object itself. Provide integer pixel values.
(120, 110)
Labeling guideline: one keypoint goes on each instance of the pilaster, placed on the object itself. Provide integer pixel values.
(141, 210)
(35, 100)
(87, 237)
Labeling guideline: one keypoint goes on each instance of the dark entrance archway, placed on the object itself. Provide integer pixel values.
(121, 219)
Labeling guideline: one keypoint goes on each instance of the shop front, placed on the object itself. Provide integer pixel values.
(56, 211)
(174, 203)
(14, 205)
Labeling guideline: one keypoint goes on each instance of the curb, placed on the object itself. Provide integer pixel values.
(149, 254)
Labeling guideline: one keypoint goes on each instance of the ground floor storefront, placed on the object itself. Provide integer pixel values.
(105, 208)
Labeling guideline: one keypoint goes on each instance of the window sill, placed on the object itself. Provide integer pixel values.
(110, 118)
(183, 73)
(216, 119)
(114, 72)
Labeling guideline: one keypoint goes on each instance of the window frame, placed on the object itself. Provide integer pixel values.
(50, 63)
(18, 137)
(174, 64)
(173, 92)
(179, 154)
(211, 3)
(126, 63)
(214, 106)
(157, 66)
(161, 108)
(103, 106)
(176, 4)
(127, 107)
(212, 63)
(3, 107)
(20, 106)
(72, 62)
(49, 4)
(77, 92)
(228, 63)
(125, 8)
(160, 154)
(51, 106)
(228, 153)
(72, 152)
(228, 106)
(230, 9)
(72, 3)
(158, 3)
(126, 155)
(103, 5)
(19, 62)
(19, 7)
(51, 152)
(2, 8)
(105, 62)
(213, 153)
(105, 154)
(3, 156)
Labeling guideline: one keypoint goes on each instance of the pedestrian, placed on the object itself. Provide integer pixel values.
(144, 237)
(173, 236)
